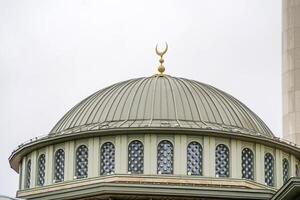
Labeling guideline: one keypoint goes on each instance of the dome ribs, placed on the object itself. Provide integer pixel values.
(113, 101)
(69, 118)
(226, 107)
(220, 105)
(189, 100)
(153, 101)
(101, 101)
(141, 90)
(232, 111)
(180, 109)
(60, 124)
(242, 113)
(196, 92)
(193, 101)
(174, 100)
(137, 84)
(161, 102)
(211, 104)
(147, 105)
(89, 104)
(168, 108)
(245, 111)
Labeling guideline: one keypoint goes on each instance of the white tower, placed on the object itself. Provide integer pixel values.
(291, 69)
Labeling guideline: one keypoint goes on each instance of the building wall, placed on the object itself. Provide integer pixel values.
(150, 142)
(291, 69)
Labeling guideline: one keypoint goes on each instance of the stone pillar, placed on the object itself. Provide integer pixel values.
(96, 157)
(69, 160)
(180, 155)
(153, 154)
(33, 170)
(23, 174)
(293, 166)
(235, 161)
(121, 154)
(259, 164)
(147, 154)
(278, 169)
(49, 165)
(118, 155)
(206, 156)
(91, 161)
(291, 70)
(209, 156)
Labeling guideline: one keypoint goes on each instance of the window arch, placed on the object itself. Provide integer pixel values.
(41, 170)
(285, 170)
(59, 165)
(194, 159)
(28, 174)
(136, 157)
(107, 158)
(247, 164)
(269, 169)
(165, 157)
(81, 162)
(222, 161)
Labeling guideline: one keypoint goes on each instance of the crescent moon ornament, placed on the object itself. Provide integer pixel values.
(161, 68)
(161, 53)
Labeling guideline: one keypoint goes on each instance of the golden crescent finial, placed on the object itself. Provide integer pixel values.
(161, 68)
(161, 53)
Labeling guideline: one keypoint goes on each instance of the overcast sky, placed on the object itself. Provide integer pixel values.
(55, 53)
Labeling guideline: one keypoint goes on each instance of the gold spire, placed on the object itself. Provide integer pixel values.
(161, 68)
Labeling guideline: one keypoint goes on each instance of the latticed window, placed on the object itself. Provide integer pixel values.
(107, 158)
(136, 157)
(59, 165)
(285, 170)
(165, 157)
(222, 161)
(269, 169)
(28, 174)
(247, 164)
(81, 162)
(194, 158)
(41, 170)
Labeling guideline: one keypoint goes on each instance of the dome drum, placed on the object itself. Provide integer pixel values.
(149, 144)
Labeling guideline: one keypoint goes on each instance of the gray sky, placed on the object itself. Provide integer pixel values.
(55, 53)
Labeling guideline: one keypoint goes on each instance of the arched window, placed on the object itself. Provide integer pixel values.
(269, 169)
(136, 157)
(28, 174)
(285, 170)
(165, 157)
(107, 158)
(81, 162)
(41, 170)
(247, 164)
(59, 166)
(222, 161)
(297, 171)
(194, 159)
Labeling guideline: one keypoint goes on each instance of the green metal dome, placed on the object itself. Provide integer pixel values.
(161, 102)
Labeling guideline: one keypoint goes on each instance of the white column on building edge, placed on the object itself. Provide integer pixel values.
(33, 170)
(49, 165)
(69, 160)
(278, 168)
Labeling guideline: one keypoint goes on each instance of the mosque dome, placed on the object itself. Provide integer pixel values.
(161, 102)
(157, 137)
